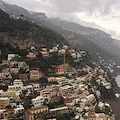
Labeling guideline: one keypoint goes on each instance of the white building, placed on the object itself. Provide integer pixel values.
(44, 49)
(51, 50)
(65, 47)
(14, 70)
(38, 101)
(18, 82)
(22, 65)
(29, 87)
(60, 110)
(19, 109)
(55, 49)
(73, 55)
(18, 85)
(6, 75)
(36, 86)
(101, 105)
(83, 53)
(46, 94)
(90, 98)
(11, 56)
(14, 87)
(107, 85)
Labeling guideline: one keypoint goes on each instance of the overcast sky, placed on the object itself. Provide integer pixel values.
(102, 14)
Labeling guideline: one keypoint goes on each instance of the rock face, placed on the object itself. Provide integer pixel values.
(22, 33)
(103, 49)
(98, 37)
(22, 44)
(17, 10)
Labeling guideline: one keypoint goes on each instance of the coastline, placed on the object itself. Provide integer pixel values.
(117, 79)
(115, 103)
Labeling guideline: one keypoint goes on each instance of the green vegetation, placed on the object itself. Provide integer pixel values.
(55, 104)
(7, 49)
(25, 30)
(106, 94)
(63, 117)
(3, 87)
(46, 64)
(66, 116)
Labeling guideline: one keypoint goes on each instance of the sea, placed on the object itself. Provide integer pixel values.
(117, 79)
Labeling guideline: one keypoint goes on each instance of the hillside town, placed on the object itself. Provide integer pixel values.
(67, 92)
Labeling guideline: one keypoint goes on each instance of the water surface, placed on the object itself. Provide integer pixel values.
(117, 79)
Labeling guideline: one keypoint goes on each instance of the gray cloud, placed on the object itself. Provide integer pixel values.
(95, 13)
(68, 6)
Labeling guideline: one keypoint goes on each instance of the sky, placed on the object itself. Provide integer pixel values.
(101, 14)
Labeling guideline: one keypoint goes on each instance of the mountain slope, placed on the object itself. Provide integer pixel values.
(22, 33)
(103, 49)
(99, 37)
(103, 58)
(14, 9)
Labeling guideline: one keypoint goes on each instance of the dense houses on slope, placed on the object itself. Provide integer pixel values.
(61, 94)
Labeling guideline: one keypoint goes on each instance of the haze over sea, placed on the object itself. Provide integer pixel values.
(118, 80)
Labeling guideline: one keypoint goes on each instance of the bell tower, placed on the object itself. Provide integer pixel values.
(91, 113)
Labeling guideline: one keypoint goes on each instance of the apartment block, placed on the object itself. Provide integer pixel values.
(4, 102)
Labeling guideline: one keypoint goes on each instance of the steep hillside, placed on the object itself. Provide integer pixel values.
(108, 61)
(103, 49)
(22, 33)
(17, 35)
(14, 9)
(99, 37)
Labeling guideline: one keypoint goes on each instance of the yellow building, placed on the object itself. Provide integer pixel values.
(4, 102)
(91, 113)
(61, 51)
(51, 79)
(14, 94)
(4, 94)
(11, 94)
(101, 116)
(90, 98)
(30, 113)
(15, 87)
(45, 92)
(34, 74)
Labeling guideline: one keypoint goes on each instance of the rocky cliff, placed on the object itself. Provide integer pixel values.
(5, 39)
(23, 33)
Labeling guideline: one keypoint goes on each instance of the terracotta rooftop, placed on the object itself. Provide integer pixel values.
(28, 112)
(9, 110)
(32, 109)
(36, 82)
(22, 74)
